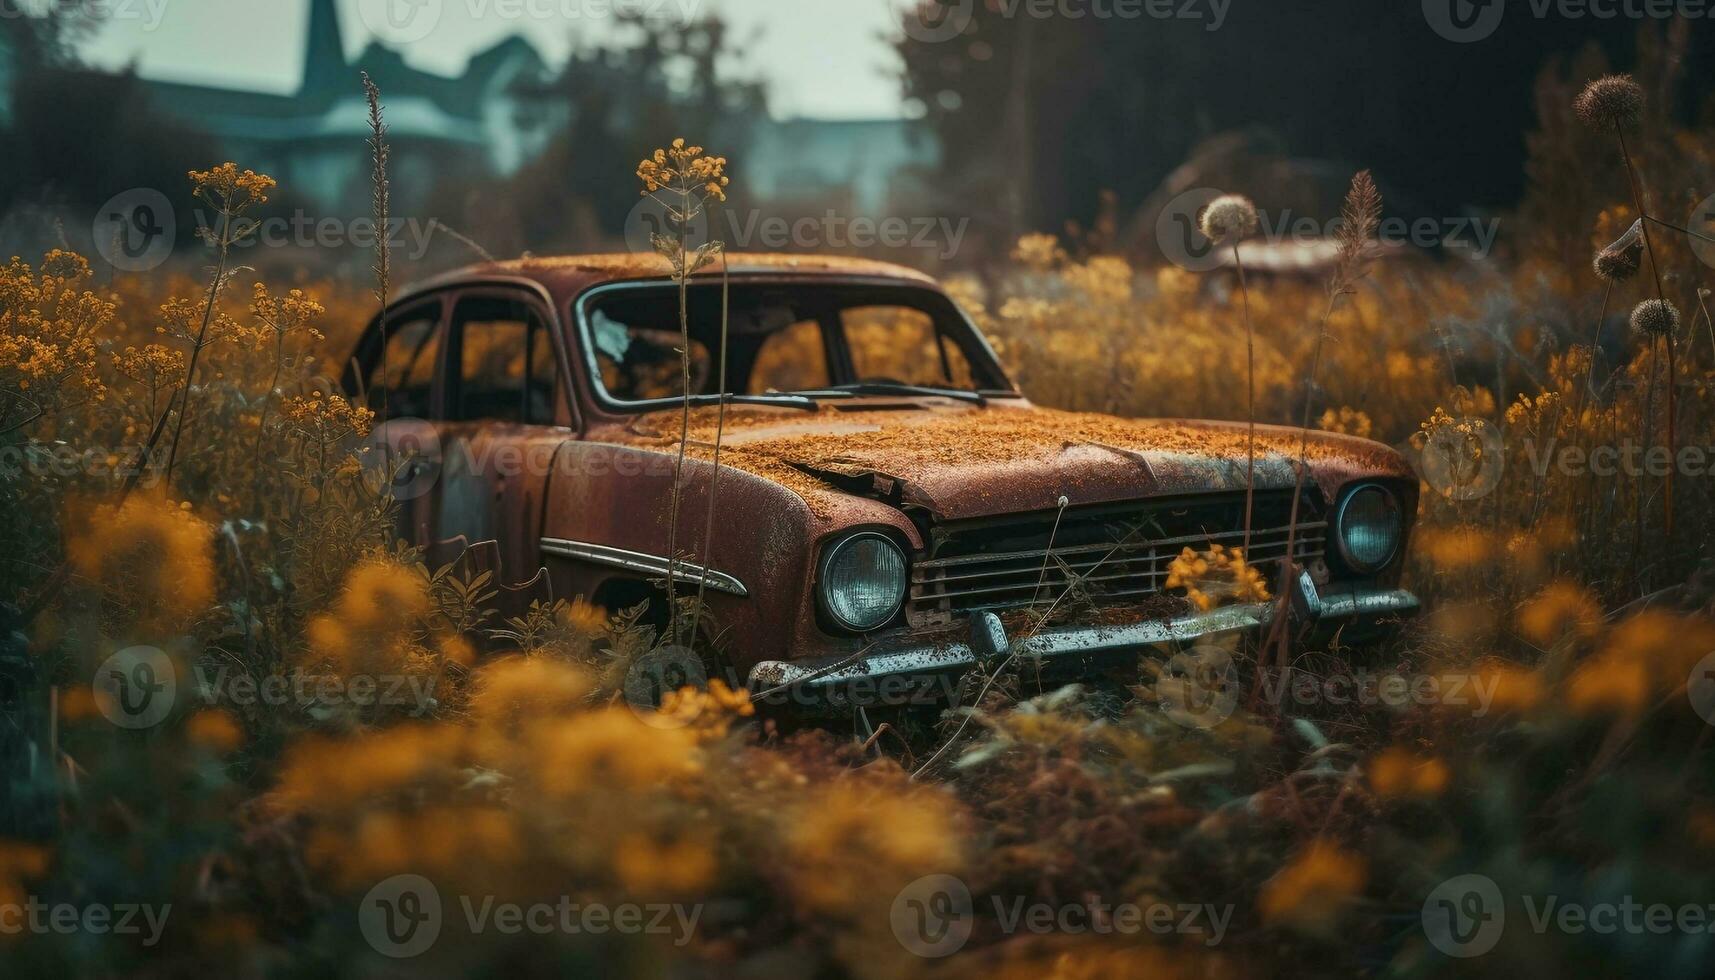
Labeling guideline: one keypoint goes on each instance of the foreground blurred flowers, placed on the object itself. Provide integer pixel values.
(1564, 640)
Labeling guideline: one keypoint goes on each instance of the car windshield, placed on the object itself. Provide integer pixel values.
(826, 341)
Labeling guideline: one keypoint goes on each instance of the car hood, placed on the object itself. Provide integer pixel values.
(969, 461)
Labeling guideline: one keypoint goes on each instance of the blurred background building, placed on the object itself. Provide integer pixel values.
(1008, 124)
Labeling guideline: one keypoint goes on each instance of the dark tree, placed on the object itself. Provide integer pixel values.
(1038, 116)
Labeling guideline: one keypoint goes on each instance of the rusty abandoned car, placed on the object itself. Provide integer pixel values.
(888, 504)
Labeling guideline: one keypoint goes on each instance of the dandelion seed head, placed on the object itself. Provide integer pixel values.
(1655, 318)
(1619, 263)
(1228, 216)
(1614, 100)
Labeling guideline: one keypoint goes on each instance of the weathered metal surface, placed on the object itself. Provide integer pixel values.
(1011, 457)
(791, 480)
(566, 276)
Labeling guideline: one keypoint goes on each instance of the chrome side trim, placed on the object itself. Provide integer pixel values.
(637, 561)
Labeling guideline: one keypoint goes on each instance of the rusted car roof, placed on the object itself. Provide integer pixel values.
(567, 275)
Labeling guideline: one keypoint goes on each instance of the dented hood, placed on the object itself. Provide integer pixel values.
(1011, 457)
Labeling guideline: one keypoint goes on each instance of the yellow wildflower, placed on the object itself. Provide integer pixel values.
(152, 558)
(1400, 773)
(1310, 892)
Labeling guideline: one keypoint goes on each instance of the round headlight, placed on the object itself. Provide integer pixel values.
(863, 581)
(1369, 525)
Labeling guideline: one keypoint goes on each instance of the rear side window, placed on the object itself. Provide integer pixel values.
(504, 363)
(791, 359)
(403, 377)
(898, 343)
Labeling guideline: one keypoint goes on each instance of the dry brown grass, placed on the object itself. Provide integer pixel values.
(1320, 825)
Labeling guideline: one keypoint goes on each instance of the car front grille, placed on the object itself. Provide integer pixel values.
(1119, 553)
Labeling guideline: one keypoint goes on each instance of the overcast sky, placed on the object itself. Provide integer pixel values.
(822, 58)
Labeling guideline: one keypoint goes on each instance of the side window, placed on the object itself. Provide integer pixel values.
(544, 374)
(640, 360)
(791, 359)
(402, 377)
(505, 363)
(898, 343)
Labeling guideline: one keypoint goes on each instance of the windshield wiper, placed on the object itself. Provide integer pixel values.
(789, 401)
(891, 388)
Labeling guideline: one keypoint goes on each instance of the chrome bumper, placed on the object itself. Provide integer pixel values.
(913, 656)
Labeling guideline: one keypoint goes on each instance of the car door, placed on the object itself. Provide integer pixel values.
(503, 414)
(395, 372)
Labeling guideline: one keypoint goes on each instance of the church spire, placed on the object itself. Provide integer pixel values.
(324, 51)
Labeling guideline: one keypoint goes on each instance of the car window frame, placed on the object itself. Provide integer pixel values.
(972, 344)
(451, 377)
(445, 295)
(367, 356)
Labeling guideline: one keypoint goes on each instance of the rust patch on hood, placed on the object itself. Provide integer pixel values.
(970, 461)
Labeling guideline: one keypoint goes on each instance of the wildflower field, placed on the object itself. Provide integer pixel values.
(183, 476)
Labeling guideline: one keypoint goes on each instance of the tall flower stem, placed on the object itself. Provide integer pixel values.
(684, 426)
(691, 180)
(1250, 399)
(1589, 385)
(214, 288)
(720, 428)
(1358, 221)
(380, 206)
(262, 415)
(1655, 273)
